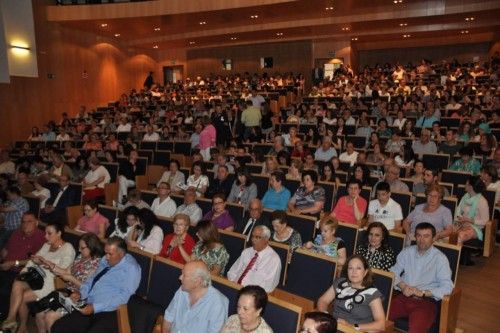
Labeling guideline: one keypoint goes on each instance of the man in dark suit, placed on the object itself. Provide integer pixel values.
(221, 184)
(55, 208)
(253, 217)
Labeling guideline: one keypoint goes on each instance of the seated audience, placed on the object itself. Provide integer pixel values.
(127, 172)
(259, 264)
(178, 245)
(197, 306)
(222, 160)
(219, 215)
(391, 176)
(198, 180)
(221, 184)
(80, 169)
(243, 190)
(375, 248)
(252, 218)
(325, 152)
(277, 196)
(355, 300)
(55, 207)
(432, 212)
(55, 250)
(119, 276)
(466, 163)
(134, 198)
(384, 209)
(327, 243)
(350, 155)
(209, 248)
(282, 232)
(295, 170)
(11, 212)
(319, 322)
(23, 182)
(91, 251)
(126, 221)
(190, 207)
(350, 208)
(309, 198)
(361, 173)
(424, 145)
(173, 177)
(252, 301)
(94, 181)
(430, 177)
(92, 221)
(146, 235)
(40, 191)
(163, 205)
(422, 276)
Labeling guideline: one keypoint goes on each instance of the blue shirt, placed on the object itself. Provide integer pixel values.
(276, 200)
(428, 271)
(13, 219)
(115, 287)
(426, 122)
(207, 315)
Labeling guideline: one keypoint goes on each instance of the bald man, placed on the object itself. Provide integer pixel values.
(196, 306)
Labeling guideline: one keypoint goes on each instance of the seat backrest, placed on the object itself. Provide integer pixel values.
(77, 187)
(205, 205)
(262, 183)
(309, 274)
(452, 252)
(161, 157)
(164, 281)
(147, 145)
(182, 147)
(165, 145)
(349, 234)
(178, 199)
(142, 314)
(145, 260)
(291, 185)
(236, 211)
(148, 196)
(282, 316)
(404, 200)
(384, 281)
(34, 203)
(112, 169)
(436, 161)
(73, 237)
(282, 250)
(234, 244)
(305, 225)
(329, 195)
(108, 212)
(230, 290)
(455, 177)
(254, 168)
(490, 197)
(147, 154)
(396, 242)
(166, 224)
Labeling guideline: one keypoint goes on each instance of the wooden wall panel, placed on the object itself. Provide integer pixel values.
(111, 68)
(292, 56)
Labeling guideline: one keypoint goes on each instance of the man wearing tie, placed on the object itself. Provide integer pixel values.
(116, 279)
(253, 217)
(55, 208)
(258, 265)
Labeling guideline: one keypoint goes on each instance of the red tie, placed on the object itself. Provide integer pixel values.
(248, 268)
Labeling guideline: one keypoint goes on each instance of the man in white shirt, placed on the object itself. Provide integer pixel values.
(326, 152)
(384, 209)
(95, 180)
(190, 208)
(124, 125)
(258, 265)
(6, 165)
(163, 205)
(349, 155)
(150, 134)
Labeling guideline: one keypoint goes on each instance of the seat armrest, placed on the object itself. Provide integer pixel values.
(123, 322)
(449, 311)
(490, 231)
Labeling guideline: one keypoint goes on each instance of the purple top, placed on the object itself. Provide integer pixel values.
(440, 219)
(222, 222)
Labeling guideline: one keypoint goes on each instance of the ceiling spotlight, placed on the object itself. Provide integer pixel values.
(192, 43)
(470, 18)
(406, 36)
(104, 25)
(464, 31)
(279, 34)
(155, 47)
(117, 35)
(354, 38)
(328, 8)
(157, 29)
(203, 22)
(345, 29)
(397, 1)
(403, 24)
(254, 16)
(234, 38)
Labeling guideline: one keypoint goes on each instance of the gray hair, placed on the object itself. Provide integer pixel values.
(204, 275)
(266, 233)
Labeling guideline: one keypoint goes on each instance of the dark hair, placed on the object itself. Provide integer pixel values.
(243, 172)
(477, 184)
(148, 218)
(94, 244)
(220, 196)
(353, 180)
(385, 233)
(325, 323)
(92, 203)
(278, 175)
(383, 186)
(310, 173)
(57, 226)
(435, 172)
(118, 242)
(122, 220)
(424, 226)
(14, 190)
(208, 234)
(491, 171)
(368, 279)
(466, 150)
(366, 174)
(279, 215)
(330, 165)
(259, 296)
(199, 164)
(176, 163)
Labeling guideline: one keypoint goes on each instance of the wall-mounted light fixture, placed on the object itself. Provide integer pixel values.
(19, 49)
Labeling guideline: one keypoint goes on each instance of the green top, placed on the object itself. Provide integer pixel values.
(218, 256)
(472, 166)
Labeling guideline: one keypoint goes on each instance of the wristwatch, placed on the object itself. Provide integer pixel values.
(356, 327)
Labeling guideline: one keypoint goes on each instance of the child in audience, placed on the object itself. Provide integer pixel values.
(327, 243)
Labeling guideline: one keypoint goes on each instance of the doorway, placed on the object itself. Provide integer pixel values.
(173, 73)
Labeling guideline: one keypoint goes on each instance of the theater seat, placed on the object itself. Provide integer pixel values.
(139, 316)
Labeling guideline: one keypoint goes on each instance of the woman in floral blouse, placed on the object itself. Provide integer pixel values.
(283, 233)
(376, 249)
(209, 248)
(84, 266)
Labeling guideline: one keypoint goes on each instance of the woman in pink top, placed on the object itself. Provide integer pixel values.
(351, 208)
(92, 221)
(207, 139)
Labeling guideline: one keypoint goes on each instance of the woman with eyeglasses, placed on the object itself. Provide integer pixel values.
(209, 248)
(178, 245)
(92, 221)
(355, 300)
(219, 215)
(91, 251)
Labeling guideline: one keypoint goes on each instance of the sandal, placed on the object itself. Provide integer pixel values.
(9, 325)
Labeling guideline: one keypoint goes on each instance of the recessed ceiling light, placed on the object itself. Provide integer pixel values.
(345, 29)
(406, 36)
(328, 8)
(279, 34)
(234, 38)
(157, 29)
(464, 31)
(254, 16)
(354, 38)
(192, 43)
(203, 22)
(117, 35)
(155, 46)
(397, 1)
(403, 24)
(104, 25)
(470, 18)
